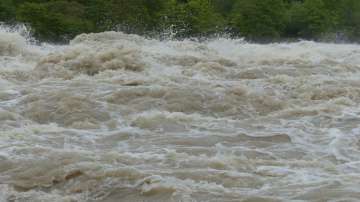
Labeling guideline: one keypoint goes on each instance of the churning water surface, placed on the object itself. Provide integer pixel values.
(117, 117)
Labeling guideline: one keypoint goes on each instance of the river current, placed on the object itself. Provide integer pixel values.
(115, 117)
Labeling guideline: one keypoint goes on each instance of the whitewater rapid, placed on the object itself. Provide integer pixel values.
(117, 117)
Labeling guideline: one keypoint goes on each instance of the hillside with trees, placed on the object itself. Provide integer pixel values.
(257, 20)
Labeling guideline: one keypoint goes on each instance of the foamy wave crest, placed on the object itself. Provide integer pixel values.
(13, 40)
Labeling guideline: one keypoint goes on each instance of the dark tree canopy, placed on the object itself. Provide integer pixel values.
(60, 20)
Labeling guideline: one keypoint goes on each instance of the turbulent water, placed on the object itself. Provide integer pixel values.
(116, 117)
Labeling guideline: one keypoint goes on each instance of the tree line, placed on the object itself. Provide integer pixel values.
(256, 20)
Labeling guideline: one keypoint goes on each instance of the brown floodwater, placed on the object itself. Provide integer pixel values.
(115, 117)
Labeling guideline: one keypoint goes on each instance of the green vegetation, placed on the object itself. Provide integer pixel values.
(259, 20)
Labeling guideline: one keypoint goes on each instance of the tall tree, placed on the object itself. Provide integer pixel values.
(7, 10)
(311, 19)
(262, 19)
